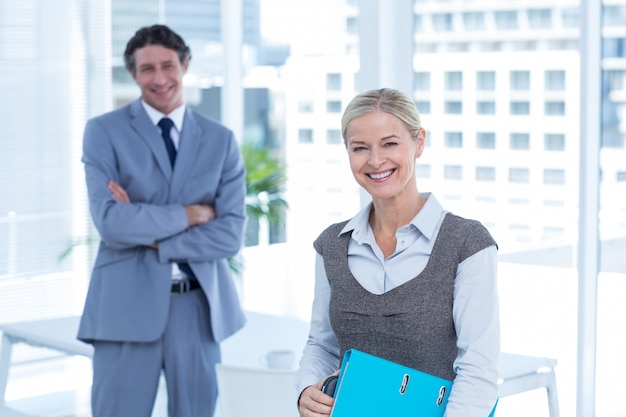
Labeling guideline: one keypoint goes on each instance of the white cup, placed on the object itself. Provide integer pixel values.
(278, 359)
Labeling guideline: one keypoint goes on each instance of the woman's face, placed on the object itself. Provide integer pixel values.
(382, 154)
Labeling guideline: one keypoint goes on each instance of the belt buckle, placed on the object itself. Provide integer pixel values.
(184, 286)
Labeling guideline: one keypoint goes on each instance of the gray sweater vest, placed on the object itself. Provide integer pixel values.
(412, 324)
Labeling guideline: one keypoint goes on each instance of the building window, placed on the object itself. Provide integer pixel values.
(453, 172)
(620, 176)
(554, 108)
(454, 81)
(453, 107)
(305, 106)
(520, 107)
(571, 17)
(474, 20)
(305, 135)
(453, 139)
(554, 176)
(520, 80)
(352, 26)
(333, 106)
(519, 141)
(485, 174)
(506, 19)
(333, 82)
(554, 80)
(486, 107)
(485, 140)
(552, 232)
(422, 81)
(486, 80)
(539, 18)
(418, 23)
(442, 22)
(422, 171)
(423, 106)
(333, 137)
(519, 175)
(554, 142)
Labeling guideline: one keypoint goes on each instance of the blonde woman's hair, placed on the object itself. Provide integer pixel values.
(388, 100)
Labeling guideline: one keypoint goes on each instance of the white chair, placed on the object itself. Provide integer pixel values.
(520, 373)
(255, 392)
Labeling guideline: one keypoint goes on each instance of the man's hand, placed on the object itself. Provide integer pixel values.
(119, 194)
(199, 214)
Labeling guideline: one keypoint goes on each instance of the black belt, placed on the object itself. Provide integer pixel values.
(184, 286)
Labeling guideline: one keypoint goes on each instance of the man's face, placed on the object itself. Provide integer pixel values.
(159, 74)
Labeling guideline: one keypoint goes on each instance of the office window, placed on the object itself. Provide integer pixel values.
(333, 106)
(485, 140)
(554, 108)
(423, 106)
(333, 137)
(486, 107)
(519, 141)
(554, 176)
(519, 175)
(554, 142)
(453, 107)
(453, 172)
(422, 170)
(539, 18)
(520, 108)
(453, 139)
(305, 106)
(453, 81)
(442, 22)
(474, 20)
(422, 81)
(333, 82)
(305, 135)
(520, 80)
(506, 19)
(620, 176)
(485, 174)
(486, 80)
(554, 80)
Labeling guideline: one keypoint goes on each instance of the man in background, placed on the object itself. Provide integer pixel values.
(166, 191)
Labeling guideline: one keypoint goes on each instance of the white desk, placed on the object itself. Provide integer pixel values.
(261, 334)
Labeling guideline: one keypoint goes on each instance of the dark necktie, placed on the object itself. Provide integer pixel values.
(166, 125)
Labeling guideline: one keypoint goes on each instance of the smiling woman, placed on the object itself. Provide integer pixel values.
(394, 281)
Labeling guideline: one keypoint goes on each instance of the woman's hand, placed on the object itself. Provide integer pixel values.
(314, 403)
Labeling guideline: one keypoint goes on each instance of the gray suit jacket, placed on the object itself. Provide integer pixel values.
(129, 291)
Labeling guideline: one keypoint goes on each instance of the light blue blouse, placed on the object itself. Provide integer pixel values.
(475, 309)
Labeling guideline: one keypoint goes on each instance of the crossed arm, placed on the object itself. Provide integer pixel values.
(196, 213)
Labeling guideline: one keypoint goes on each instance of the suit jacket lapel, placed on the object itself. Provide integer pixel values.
(188, 149)
(151, 135)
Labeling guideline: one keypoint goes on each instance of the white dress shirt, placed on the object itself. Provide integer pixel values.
(475, 308)
(177, 116)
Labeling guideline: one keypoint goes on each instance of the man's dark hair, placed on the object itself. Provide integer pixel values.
(155, 35)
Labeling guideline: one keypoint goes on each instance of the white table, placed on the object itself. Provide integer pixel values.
(262, 333)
